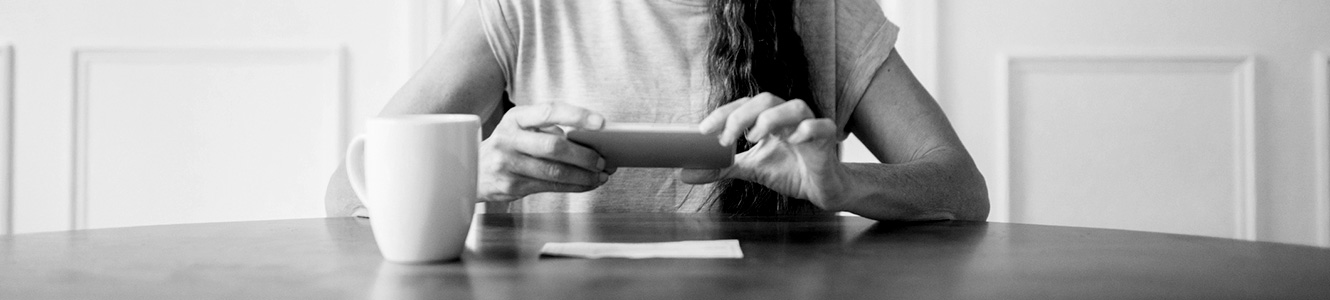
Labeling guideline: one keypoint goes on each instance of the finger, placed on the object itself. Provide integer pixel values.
(533, 186)
(552, 171)
(743, 117)
(700, 176)
(553, 147)
(551, 114)
(715, 121)
(516, 186)
(555, 130)
(788, 114)
(813, 129)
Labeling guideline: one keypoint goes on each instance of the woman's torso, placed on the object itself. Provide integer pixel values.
(636, 61)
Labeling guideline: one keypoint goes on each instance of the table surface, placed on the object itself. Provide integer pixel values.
(826, 257)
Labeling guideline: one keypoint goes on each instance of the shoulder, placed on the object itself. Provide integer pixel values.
(846, 29)
(846, 41)
(865, 12)
(845, 16)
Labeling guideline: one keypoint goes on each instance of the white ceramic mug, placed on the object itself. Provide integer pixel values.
(416, 174)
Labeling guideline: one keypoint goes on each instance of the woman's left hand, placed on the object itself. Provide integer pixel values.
(795, 153)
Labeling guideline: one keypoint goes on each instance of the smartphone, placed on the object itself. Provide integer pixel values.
(652, 145)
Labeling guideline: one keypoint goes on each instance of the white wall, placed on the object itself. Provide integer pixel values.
(1184, 116)
(138, 112)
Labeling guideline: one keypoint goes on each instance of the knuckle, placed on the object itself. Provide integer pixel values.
(491, 163)
(809, 126)
(506, 185)
(553, 170)
(764, 120)
(769, 98)
(799, 105)
(502, 161)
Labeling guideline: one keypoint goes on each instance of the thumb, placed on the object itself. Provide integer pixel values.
(700, 176)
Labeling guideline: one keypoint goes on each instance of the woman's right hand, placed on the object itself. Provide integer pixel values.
(527, 153)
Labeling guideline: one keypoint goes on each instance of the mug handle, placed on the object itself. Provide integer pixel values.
(355, 168)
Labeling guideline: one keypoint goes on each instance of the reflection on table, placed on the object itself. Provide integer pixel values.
(811, 257)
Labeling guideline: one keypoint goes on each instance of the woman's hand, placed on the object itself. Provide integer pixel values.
(528, 154)
(795, 153)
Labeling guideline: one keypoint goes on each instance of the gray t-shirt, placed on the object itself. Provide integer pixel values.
(645, 61)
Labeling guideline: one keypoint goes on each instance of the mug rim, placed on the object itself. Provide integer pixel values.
(428, 118)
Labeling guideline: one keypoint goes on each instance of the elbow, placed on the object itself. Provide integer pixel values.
(962, 186)
(339, 200)
(972, 195)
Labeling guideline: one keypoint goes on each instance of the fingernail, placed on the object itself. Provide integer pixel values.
(595, 122)
(604, 177)
(600, 164)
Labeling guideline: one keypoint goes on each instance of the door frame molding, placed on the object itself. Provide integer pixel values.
(7, 83)
(1321, 121)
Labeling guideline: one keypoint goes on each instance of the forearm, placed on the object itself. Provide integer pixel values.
(942, 185)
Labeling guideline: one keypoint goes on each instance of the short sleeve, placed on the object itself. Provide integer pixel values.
(498, 18)
(864, 40)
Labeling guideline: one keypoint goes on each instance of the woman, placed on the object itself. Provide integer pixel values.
(786, 80)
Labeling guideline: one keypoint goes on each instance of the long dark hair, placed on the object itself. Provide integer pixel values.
(755, 48)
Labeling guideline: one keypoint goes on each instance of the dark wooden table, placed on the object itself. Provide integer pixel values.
(800, 257)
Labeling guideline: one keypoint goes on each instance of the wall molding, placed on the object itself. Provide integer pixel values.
(1321, 119)
(85, 58)
(1243, 72)
(6, 139)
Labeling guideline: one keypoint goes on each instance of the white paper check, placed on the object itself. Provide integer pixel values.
(680, 249)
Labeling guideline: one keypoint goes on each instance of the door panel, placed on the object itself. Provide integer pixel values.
(140, 112)
(1131, 142)
(210, 135)
(1183, 116)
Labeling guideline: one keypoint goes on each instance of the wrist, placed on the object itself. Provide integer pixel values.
(843, 191)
